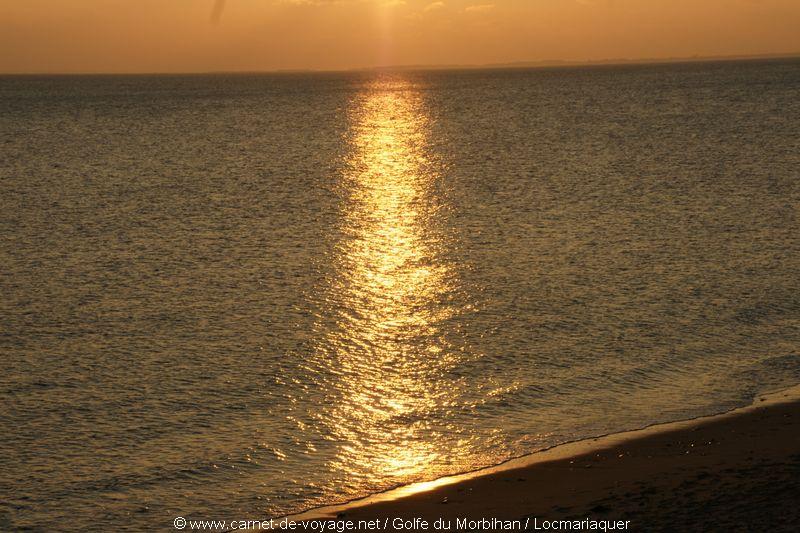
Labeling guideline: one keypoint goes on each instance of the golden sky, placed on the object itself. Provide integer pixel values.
(181, 35)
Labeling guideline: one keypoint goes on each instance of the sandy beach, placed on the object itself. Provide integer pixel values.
(739, 471)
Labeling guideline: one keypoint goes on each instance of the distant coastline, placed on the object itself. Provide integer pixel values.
(549, 63)
(587, 63)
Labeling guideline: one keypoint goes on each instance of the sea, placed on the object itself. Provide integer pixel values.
(240, 296)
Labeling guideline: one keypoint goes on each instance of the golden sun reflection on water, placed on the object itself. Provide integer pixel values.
(391, 292)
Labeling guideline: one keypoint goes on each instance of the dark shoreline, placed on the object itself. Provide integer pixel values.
(736, 471)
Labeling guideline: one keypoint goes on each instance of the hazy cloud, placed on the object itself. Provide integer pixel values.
(481, 8)
(434, 6)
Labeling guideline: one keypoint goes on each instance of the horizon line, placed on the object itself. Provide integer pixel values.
(544, 63)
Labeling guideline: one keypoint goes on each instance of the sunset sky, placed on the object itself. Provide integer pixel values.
(181, 35)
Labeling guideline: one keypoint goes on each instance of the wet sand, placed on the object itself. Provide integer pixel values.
(739, 471)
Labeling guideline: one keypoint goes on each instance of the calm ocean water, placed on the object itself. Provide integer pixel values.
(229, 297)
